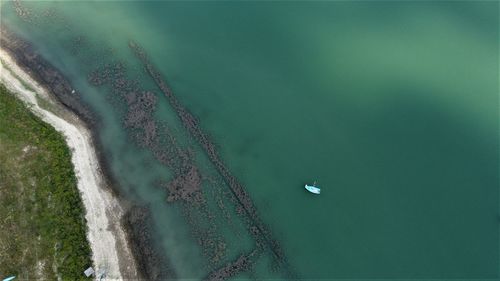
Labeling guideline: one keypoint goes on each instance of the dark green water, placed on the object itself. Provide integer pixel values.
(392, 107)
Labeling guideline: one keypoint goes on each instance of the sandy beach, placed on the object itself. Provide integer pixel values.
(111, 253)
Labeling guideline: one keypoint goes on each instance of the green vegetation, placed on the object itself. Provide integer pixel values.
(42, 233)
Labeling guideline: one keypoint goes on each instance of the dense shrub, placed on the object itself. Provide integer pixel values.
(51, 208)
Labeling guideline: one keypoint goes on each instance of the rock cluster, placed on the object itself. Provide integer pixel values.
(150, 262)
(246, 208)
(46, 74)
(241, 264)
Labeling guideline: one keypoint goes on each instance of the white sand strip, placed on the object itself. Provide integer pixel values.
(103, 211)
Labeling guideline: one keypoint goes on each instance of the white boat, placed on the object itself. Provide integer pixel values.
(313, 188)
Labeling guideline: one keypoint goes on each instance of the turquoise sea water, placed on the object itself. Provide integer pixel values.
(391, 107)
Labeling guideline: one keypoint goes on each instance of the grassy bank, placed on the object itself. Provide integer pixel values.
(42, 233)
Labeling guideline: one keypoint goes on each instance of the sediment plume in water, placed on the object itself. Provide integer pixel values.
(257, 228)
(191, 186)
(192, 125)
(149, 261)
(185, 186)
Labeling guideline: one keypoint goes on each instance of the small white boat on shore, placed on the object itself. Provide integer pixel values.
(313, 188)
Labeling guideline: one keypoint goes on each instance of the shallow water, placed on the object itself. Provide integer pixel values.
(391, 107)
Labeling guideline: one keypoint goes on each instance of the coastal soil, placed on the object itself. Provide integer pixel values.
(132, 243)
(34, 201)
(110, 252)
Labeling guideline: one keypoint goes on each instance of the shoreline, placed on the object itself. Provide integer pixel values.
(107, 236)
(136, 218)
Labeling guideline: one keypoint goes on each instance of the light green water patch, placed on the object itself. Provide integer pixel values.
(176, 239)
(392, 108)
